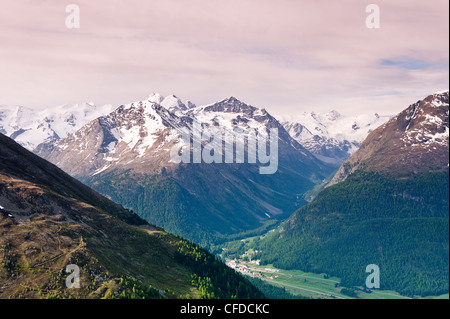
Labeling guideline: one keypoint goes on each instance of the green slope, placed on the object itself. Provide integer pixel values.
(400, 224)
(48, 220)
(216, 209)
(160, 201)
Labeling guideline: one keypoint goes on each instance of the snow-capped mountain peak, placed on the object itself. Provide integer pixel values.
(427, 121)
(142, 133)
(171, 102)
(414, 141)
(231, 105)
(155, 98)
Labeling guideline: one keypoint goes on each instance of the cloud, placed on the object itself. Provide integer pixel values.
(286, 55)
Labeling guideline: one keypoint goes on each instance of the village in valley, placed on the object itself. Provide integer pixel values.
(247, 266)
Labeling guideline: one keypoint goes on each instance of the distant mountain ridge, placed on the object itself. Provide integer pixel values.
(30, 128)
(332, 137)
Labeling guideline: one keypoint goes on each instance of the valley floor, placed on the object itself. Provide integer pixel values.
(307, 285)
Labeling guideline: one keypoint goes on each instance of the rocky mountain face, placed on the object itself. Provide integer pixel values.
(30, 128)
(388, 205)
(49, 220)
(332, 137)
(416, 140)
(127, 156)
(120, 139)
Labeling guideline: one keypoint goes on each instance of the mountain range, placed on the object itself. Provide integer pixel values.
(126, 155)
(331, 137)
(387, 204)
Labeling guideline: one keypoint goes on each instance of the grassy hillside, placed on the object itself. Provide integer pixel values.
(116, 259)
(48, 220)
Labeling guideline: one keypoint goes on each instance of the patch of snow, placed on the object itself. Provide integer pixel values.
(111, 146)
(101, 170)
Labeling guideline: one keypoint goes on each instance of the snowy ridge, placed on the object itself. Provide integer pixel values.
(331, 136)
(30, 128)
(229, 114)
(133, 133)
(142, 134)
(426, 125)
(171, 102)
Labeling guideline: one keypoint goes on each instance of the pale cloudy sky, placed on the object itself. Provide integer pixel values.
(288, 56)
